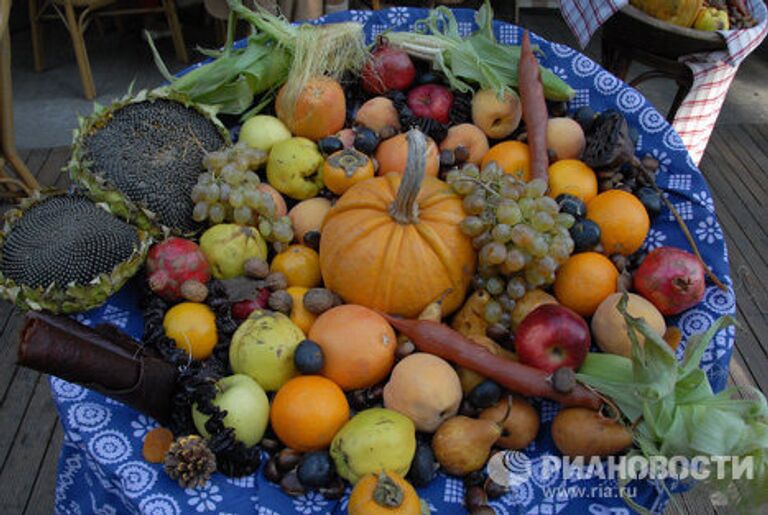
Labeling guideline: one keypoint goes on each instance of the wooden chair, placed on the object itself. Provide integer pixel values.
(77, 15)
(9, 158)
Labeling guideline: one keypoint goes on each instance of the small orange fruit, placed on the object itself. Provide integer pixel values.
(193, 327)
(345, 168)
(392, 154)
(513, 157)
(623, 221)
(299, 314)
(156, 444)
(319, 110)
(366, 498)
(307, 412)
(584, 281)
(573, 177)
(300, 264)
(358, 345)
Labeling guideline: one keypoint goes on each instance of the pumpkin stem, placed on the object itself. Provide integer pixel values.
(387, 493)
(404, 209)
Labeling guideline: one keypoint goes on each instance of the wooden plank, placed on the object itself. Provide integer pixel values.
(731, 171)
(42, 494)
(51, 169)
(732, 146)
(8, 344)
(36, 159)
(22, 464)
(754, 158)
(12, 410)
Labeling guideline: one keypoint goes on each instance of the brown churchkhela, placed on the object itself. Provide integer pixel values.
(102, 359)
(534, 107)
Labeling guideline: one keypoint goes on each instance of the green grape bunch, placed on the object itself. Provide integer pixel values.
(229, 191)
(519, 232)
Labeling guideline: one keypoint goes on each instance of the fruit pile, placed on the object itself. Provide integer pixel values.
(391, 268)
(702, 15)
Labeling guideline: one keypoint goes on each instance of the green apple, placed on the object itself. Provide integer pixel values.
(246, 405)
(263, 131)
(263, 348)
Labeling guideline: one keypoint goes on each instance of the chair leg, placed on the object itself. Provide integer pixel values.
(37, 35)
(6, 118)
(81, 54)
(178, 38)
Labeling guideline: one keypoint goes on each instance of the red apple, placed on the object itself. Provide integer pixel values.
(672, 279)
(431, 101)
(241, 310)
(552, 336)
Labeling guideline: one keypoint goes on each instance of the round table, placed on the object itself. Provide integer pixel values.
(101, 469)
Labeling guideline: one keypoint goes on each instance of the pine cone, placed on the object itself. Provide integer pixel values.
(190, 461)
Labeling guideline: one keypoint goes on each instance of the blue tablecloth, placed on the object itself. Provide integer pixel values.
(101, 469)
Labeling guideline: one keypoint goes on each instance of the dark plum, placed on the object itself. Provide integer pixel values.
(329, 145)
(584, 116)
(585, 235)
(308, 357)
(651, 200)
(366, 140)
(316, 469)
(572, 205)
(423, 467)
(485, 395)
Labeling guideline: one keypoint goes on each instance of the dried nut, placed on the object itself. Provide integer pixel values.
(270, 445)
(312, 239)
(291, 485)
(497, 332)
(276, 281)
(256, 268)
(650, 162)
(494, 490)
(319, 300)
(461, 154)
(288, 459)
(475, 478)
(475, 497)
(405, 347)
(281, 301)
(335, 490)
(483, 510)
(563, 379)
(194, 291)
(271, 472)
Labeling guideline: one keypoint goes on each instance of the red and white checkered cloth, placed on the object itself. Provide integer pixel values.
(713, 72)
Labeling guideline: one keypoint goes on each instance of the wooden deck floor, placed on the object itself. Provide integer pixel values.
(735, 166)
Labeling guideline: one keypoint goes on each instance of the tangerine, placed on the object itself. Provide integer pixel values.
(584, 281)
(573, 177)
(623, 221)
(300, 264)
(192, 326)
(358, 345)
(307, 412)
(513, 157)
(299, 314)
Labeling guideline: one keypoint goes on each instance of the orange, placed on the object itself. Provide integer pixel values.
(358, 345)
(299, 314)
(512, 156)
(319, 110)
(193, 327)
(300, 264)
(573, 177)
(584, 281)
(622, 219)
(307, 412)
(392, 155)
(345, 168)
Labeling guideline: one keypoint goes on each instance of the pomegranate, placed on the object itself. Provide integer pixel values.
(171, 263)
(389, 68)
(672, 279)
(241, 310)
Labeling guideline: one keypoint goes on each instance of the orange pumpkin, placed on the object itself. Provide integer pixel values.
(385, 493)
(393, 243)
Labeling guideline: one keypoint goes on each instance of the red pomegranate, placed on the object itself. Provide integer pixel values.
(672, 279)
(172, 262)
(389, 68)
